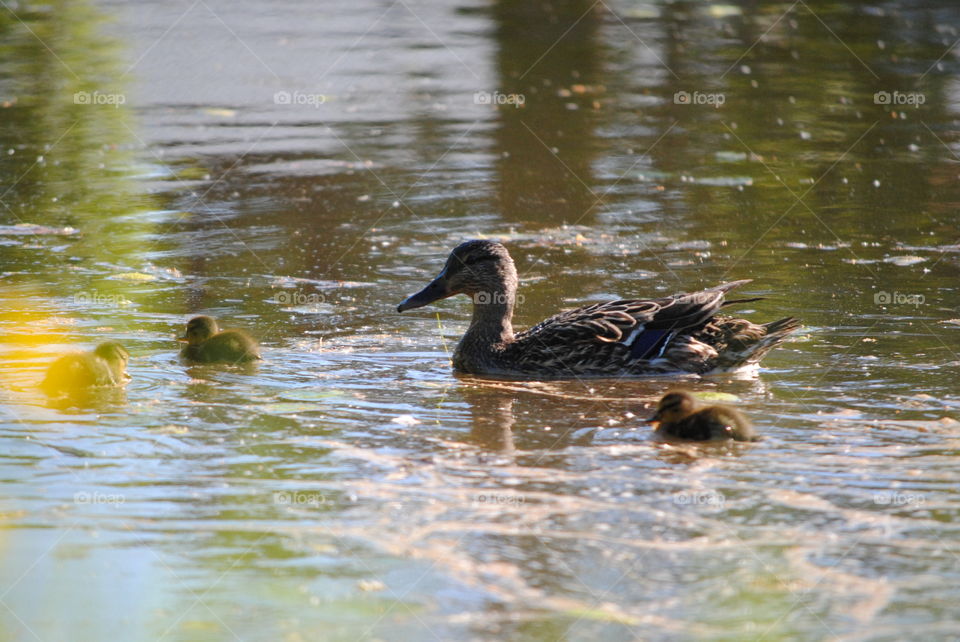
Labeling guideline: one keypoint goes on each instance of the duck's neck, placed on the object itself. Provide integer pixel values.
(492, 314)
(490, 329)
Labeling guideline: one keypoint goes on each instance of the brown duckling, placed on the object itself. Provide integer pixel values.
(206, 343)
(102, 367)
(679, 415)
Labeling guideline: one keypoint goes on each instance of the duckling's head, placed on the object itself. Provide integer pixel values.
(674, 406)
(481, 269)
(199, 329)
(112, 352)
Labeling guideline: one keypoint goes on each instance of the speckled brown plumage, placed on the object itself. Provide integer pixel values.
(678, 334)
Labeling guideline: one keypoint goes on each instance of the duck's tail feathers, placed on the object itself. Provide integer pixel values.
(749, 343)
(736, 301)
(729, 285)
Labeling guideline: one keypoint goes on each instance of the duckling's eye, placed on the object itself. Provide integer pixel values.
(671, 402)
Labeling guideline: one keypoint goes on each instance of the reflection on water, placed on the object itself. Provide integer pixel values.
(350, 486)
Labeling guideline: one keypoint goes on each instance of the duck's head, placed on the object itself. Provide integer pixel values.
(199, 329)
(481, 269)
(674, 406)
(112, 352)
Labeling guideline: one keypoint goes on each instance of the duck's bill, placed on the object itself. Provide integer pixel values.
(437, 290)
(653, 420)
(183, 339)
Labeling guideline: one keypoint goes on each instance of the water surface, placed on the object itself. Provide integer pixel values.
(298, 169)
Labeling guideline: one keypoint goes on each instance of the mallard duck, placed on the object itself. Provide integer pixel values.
(207, 344)
(682, 333)
(679, 415)
(104, 366)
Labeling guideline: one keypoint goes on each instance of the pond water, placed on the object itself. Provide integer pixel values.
(297, 169)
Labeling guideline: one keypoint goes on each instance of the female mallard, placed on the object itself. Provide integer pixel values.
(207, 344)
(678, 334)
(679, 416)
(102, 367)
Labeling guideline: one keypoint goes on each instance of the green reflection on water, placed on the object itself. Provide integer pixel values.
(68, 148)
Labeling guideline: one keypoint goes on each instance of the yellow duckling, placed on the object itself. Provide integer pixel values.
(679, 415)
(104, 366)
(207, 344)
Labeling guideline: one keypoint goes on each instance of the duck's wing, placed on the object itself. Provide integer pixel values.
(712, 422)
(75, 371)
(728, 423)
(613, 336)
(696, 427)
(739, 342)
(232, 346)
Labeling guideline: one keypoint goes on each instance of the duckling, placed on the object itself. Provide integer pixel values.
(678, 415)
(207, 344)
(104, 366)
